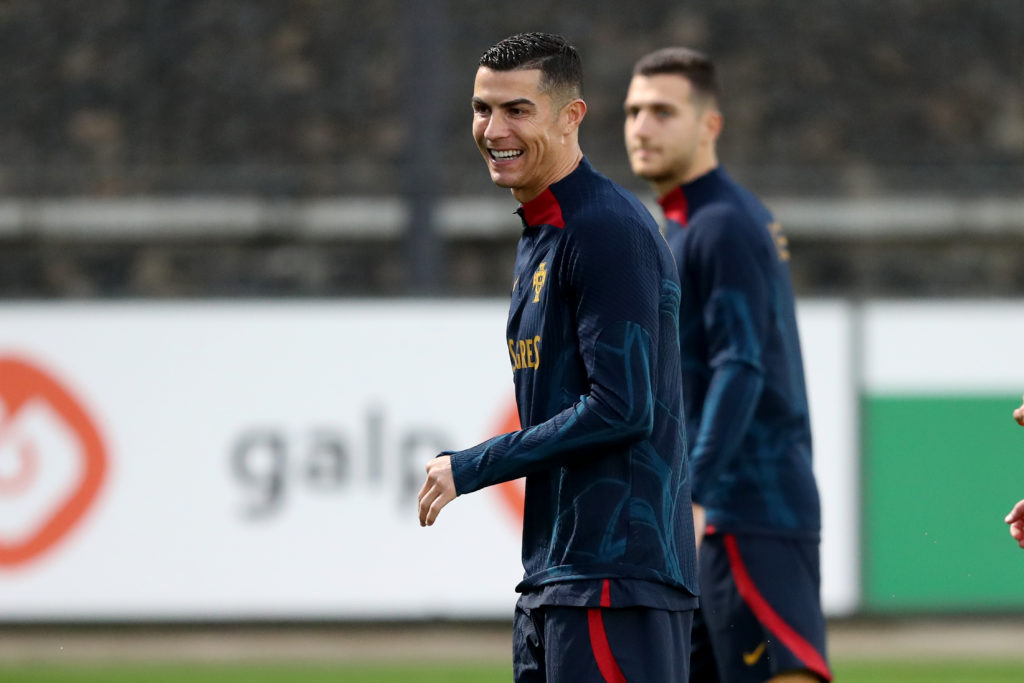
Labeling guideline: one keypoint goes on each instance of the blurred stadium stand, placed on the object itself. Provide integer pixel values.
(270, 148)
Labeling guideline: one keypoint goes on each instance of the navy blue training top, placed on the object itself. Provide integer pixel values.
(593, 341)
(743, 380)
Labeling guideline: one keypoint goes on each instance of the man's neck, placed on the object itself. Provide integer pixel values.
(525, 195)
(699, 168)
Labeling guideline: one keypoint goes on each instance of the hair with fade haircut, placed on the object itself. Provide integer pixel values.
(694, 66)
(559, 63)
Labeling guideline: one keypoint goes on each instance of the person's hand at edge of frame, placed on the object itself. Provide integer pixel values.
(437, 491)
(1016, 521)
(1018, 414)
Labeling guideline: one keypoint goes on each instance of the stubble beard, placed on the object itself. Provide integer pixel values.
(656, 175)
(671, 171)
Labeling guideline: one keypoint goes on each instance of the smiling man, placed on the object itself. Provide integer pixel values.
(608, 545)
(748, 425)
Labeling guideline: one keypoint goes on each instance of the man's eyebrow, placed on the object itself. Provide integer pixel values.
(506, 105)
(516, 102)
(649, 104)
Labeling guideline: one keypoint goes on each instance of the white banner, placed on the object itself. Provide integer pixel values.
(963, 347)
(827, 341)
(261, 460)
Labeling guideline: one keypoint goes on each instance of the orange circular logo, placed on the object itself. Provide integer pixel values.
(52, 461)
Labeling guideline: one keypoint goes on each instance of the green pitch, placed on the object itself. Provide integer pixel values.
(271, 673)
(895, 671)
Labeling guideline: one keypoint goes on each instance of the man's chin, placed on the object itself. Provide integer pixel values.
(651, 175)
(501, 180)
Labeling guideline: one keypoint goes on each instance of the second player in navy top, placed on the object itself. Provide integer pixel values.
(748, 425)
(743, 378)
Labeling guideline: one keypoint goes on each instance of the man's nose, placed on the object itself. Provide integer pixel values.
(496, 128)
(641, 123)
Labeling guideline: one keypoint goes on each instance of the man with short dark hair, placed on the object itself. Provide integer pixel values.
(608, 541)
(748, 427)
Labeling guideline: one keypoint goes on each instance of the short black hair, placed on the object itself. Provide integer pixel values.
(692, 65)
(559, 63)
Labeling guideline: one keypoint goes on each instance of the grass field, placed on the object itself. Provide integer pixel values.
(894, 671)
(940, 649)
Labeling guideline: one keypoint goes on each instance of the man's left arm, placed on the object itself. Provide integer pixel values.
(613, 283)
(737, 293)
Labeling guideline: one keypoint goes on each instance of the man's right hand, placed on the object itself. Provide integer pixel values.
(438, 490)
(1018, 414)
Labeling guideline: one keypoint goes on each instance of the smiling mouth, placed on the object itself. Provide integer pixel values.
(505, 154)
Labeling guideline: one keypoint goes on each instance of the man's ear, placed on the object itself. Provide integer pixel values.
(712, 123)
(574, 113)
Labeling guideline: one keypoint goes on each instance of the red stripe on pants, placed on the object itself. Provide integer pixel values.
(764, 612)
(606, 663)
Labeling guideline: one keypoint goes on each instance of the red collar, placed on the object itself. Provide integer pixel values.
(543, 209)
(674, 205)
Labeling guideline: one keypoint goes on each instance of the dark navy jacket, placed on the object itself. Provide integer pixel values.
(593, 342)
(743, 379)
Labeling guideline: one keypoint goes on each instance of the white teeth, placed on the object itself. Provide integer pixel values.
(505, 153)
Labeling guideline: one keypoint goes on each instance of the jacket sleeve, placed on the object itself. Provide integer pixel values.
(734, 283)
(610, 278)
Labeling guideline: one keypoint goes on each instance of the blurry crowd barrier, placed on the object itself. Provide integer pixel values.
(252, 247)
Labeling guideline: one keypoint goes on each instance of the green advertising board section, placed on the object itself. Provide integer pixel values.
(939, 475)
